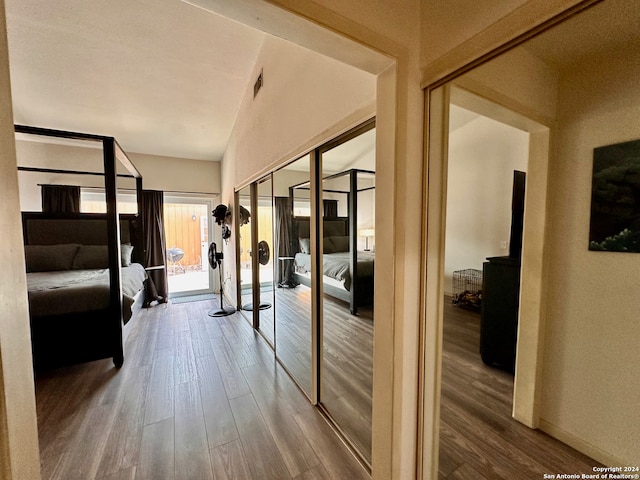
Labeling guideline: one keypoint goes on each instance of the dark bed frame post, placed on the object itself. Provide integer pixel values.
(353, 239)
(113, 242)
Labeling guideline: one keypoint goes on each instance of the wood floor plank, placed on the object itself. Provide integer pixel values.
(84, 454)
(219, 422)
(127, 474)
(257, 442)
(125, 435)
(478, 436)
(191, 447)
(157, 454)
(316, 473)
(229, 463)
(465, 472)
(232, 378)
(200, 339)
(50, 465)
(160, 392)
(336, 459)
(184, 363)
(291, 442)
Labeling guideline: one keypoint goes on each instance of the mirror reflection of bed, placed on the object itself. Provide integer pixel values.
(347, 281)
(348, 265)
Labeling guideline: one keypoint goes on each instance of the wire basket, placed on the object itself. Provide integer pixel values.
(467, 288)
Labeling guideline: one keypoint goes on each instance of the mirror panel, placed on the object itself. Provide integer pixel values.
(347, 322)
(572, 92)
(245, 277)
(293, 270)
(265, 257)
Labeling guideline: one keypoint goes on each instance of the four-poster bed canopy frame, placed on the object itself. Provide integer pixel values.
(361, 291)
(112, 346)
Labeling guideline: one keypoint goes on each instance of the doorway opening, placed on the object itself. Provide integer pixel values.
(187, 227)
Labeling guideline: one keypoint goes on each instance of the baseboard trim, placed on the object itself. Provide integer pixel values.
(582, 446)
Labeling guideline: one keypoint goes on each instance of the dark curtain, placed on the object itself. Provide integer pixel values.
(155, 247)
(60, 199)
(283, 239)
(330, 208)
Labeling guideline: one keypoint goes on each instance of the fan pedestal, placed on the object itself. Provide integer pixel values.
(215, 261)
(223, 312)
(262, 306)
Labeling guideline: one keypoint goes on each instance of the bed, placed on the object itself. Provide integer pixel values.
(83, 287)
(71, 308)
(337, 259)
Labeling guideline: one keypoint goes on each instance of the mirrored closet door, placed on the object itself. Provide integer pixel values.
(264, 254)
(348, 254)
(244, 248)
(310, 247)
(293, 270)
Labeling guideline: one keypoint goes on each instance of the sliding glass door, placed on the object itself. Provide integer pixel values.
(188, 233)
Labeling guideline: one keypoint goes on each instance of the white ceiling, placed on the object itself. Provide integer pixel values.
(161, 76)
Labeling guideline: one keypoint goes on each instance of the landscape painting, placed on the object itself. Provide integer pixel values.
(615, 198)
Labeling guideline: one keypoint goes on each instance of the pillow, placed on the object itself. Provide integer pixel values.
(126, 251)
(48, 258)
(327, 245)
(91, 257)
(340, 244)
(305, 245)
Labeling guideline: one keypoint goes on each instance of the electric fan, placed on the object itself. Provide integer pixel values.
(264, 254)
(215, 261)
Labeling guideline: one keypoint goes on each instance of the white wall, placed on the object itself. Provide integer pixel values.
(591, 352)
(158, 173)
(304, 94)
(483, 154)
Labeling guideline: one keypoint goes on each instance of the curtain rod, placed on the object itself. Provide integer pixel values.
(71, 172)
(175, 192)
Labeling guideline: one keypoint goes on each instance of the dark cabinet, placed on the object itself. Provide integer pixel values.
(499, 316)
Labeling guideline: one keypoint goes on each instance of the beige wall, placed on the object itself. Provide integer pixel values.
(158, 172)
(453, 34)
(172, 174)
(19, 456)
(591, 390)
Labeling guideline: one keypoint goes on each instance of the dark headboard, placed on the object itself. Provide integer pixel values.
(83, 228)
(331, 227)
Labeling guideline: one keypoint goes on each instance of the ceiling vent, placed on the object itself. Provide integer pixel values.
(258, 85)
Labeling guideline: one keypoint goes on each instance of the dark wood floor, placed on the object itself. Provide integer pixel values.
(478, 438)
(197, 398)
